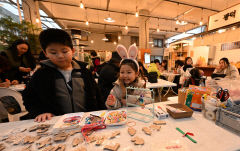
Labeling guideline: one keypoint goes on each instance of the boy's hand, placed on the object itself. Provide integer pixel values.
(14, 82)
(111, 100)
(43, 117)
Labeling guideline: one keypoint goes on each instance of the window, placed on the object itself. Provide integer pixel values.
(158, 43)
(230, 46)
(135, 39)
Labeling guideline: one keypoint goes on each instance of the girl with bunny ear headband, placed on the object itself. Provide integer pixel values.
(131, 54)
(129, 76)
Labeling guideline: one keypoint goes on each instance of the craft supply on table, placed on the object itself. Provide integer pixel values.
(117, 117)
(182, 111)
(186, 135)
(160, 113)
(69, 120)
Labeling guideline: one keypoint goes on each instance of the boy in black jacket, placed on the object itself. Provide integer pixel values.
(62, 84)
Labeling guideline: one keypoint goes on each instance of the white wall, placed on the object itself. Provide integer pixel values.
(232, 55)
(200, 51)
(220, 38)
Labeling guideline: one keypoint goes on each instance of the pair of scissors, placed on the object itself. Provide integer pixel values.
(222, 94)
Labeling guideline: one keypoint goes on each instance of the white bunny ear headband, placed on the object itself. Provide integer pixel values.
(131, 54)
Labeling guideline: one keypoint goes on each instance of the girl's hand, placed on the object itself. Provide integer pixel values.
(43, 117)
(124, 102)
(22, 69)
(14, 82)
(111, 100)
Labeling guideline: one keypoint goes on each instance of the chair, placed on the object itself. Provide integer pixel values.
(18, 97)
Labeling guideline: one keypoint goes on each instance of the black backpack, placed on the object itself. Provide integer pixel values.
(152, 77)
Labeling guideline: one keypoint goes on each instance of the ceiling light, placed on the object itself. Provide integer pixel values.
(233, 28)
(109, 19)
(150, 42)
(114, 42)
(87, 23)
(119, 37)
(158, 30)
(126, 27)
(152, 45)
(37, 20)
(81, 5)
(181, 22)
(221, 31)
(136, 14)
(200, 23)
(92, 41)
(105, 39)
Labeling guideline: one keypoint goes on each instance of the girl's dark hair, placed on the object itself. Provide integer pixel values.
(225, 60)
(143, 72)
(195, 73)
(131, 63)
(166, 64)
(187, 59)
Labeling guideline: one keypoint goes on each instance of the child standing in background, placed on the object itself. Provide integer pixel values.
(129, 74)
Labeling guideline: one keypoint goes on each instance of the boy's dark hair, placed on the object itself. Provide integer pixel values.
(93, 53)
(53, 35)
(131, 63)
(225, 60)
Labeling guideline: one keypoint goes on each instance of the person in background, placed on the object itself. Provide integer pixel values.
(185, 70)
(4, 67)
(129, 76)
(225, 69)
(195, 78)
(95, 61)
(164, 66)
(157, 62)
(153, 68)
(20, 59)
(108, 74)
(178, 66)
(142, 70)
(62, 84)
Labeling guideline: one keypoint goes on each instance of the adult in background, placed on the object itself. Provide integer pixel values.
(20, 60)
(225, 69)
(108, 74)
(95, 61)
(4, 67)
(164, 66)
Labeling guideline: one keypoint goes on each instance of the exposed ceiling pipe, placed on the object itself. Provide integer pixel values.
(114, 11)
(97, 23)
(183, 3)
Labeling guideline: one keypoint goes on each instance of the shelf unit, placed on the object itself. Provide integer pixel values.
(178, 51)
